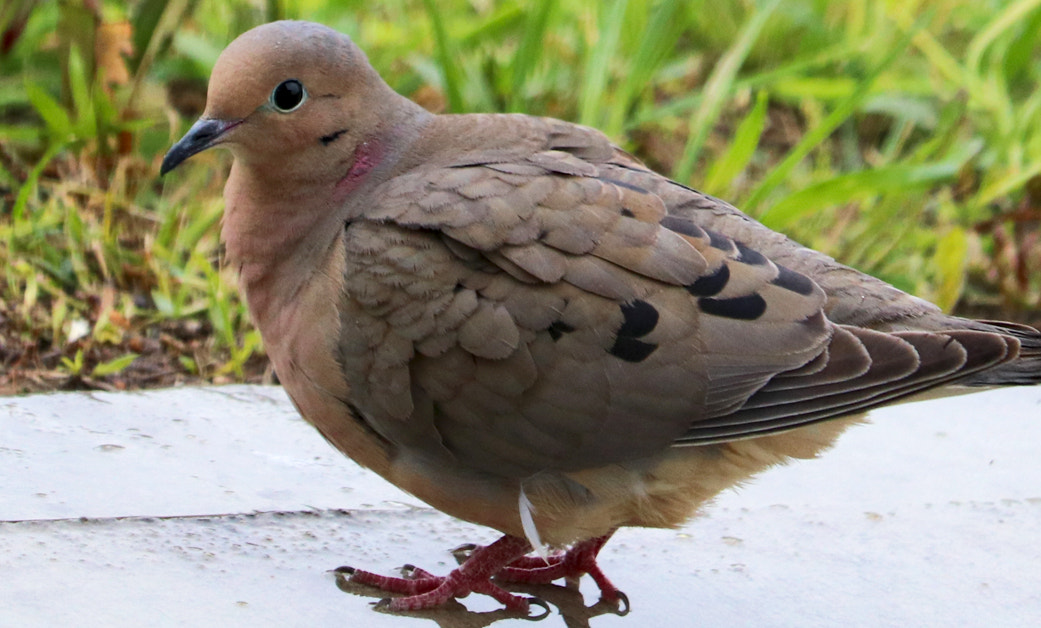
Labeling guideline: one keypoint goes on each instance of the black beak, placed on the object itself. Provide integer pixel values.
(204, 133)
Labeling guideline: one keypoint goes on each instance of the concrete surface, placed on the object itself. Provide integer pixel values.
(220, 507)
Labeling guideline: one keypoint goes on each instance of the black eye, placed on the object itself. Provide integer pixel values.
(288, 95)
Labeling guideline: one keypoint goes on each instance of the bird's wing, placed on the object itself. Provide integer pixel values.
(547, 309)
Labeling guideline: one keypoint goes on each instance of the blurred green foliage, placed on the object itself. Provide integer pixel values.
(903, 138)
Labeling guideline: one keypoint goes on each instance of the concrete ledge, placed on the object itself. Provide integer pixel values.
(219, 506)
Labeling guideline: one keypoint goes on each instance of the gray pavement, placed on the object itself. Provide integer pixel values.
(220, 507)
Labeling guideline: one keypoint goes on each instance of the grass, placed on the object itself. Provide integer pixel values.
(901, 138)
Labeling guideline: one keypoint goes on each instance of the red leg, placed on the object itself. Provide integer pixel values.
(578, 560)
(426, 591)
(408, 586)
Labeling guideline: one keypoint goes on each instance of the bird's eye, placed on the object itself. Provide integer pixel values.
(288, 95)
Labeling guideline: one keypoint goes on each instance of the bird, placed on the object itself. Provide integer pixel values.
(521, 324)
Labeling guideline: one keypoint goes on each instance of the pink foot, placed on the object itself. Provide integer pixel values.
(423, 590)
(577, 561)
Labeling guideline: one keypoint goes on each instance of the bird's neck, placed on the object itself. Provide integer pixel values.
(274, 234)
(279, 223)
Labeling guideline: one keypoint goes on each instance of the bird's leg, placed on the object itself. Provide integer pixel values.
(422, 590)
(577, 561)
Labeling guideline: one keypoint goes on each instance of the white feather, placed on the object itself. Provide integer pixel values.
(528, 525)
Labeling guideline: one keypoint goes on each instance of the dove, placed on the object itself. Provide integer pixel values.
(520, 324)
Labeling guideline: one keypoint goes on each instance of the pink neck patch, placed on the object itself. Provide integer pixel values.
(366, 156)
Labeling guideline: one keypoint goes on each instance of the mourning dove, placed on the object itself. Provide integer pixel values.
(520, 324)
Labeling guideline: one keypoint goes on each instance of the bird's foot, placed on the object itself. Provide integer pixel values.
(423, 590)
(572, 564)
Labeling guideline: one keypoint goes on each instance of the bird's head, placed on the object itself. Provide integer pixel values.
(289, 96)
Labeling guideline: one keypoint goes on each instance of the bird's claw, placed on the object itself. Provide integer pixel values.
(621, 602)
(464, 552)
(541, 603)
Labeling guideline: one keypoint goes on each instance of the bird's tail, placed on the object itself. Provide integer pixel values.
(1024, 369)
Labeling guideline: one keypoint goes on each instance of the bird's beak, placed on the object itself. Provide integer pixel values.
(205, 133)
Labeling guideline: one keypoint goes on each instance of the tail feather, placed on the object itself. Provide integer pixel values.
(898, 364)
(1024, 369)
(1023, 365)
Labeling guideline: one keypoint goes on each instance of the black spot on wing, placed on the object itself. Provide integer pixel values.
(631, 349)
(640, 319)
(332, 137)
(628, 213)
(558, 329)
(748, 308)
(682, 226)
(710, 285)
(720, 241)
(793, 281)
(749, 256)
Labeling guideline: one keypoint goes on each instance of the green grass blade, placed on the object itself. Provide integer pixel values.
(806, 64)
(111, 367)
(450, 69)
(858, 185)
(529, 52)
(144, 21)
(18, 212)
(86, 126)
(1007, 184)
(950, 259)
(591, 97)
(54, 116)
(659, 38)
(159, 22)
(742, 148)
(1012, 16)
(718, 88)
(492, 30)
(842, 111)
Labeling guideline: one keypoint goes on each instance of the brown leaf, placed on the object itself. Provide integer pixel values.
(112, 45)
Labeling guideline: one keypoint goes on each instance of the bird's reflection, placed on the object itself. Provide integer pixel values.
(566, 601)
